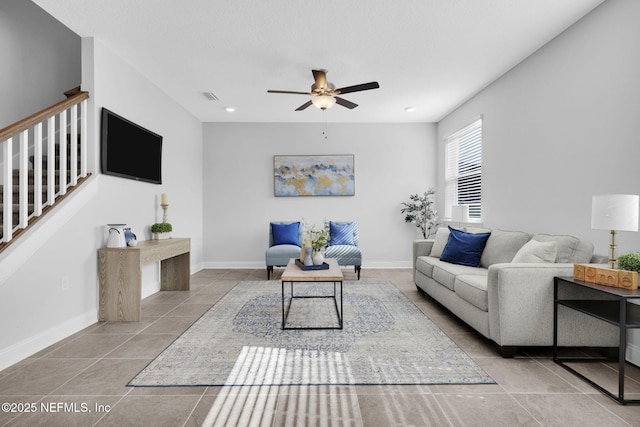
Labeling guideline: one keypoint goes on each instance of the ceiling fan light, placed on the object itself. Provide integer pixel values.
(323, 102)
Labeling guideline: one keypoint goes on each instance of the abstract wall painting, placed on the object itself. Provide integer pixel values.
(331, 175)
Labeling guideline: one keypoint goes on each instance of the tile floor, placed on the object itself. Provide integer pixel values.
(81, 381)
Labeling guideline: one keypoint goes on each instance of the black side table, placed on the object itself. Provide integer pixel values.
(619, 312)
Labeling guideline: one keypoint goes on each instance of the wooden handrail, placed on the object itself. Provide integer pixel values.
(41, 116)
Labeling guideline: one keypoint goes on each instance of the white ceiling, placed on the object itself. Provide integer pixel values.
(429, 54)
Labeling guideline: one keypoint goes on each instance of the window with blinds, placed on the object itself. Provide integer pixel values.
(463, 170)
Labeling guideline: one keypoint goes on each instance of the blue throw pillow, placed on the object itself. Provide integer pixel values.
(342, 234)
(464, 248)
(286, 234)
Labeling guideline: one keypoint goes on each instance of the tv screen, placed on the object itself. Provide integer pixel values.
(129, 150)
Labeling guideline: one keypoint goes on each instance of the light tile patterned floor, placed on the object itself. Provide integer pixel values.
(81, 381)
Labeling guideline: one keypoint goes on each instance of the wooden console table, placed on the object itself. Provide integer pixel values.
(121, 275)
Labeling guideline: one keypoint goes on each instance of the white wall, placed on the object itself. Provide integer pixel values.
(391, 162)
(34, 311)
(124, 91)
(563, 126)
(40, 60)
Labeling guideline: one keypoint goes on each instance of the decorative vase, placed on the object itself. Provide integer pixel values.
(129, 236)
(307, 259)
(318, 258)
(162, 236)
(116, 236)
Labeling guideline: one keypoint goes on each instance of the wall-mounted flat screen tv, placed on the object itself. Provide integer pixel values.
(129, 150)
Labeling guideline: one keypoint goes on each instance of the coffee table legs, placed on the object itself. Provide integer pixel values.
(286, 308)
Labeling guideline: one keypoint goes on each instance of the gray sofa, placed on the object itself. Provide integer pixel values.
(511, 303)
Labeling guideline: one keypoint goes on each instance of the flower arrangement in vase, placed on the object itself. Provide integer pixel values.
(318, 240)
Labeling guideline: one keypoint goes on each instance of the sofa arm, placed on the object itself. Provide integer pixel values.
(421, 247)
(520, 299)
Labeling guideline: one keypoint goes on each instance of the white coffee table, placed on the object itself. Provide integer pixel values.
(293, 274)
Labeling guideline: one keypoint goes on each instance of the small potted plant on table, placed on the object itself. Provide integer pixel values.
(161, 230)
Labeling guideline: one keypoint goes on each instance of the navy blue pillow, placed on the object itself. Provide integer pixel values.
(286, 234)
(464, 248)
(341, 234)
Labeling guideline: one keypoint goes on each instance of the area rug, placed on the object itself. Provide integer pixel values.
(386, 339)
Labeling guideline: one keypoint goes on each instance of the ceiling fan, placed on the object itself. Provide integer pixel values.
(324, 94)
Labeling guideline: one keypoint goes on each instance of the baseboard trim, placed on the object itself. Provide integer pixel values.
(26, 348)
(149, 289)
(633, 353)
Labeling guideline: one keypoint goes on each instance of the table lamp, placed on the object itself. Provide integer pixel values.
(615, 212)
(460, 213)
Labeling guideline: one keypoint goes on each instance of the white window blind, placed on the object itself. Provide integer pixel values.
(463, 170)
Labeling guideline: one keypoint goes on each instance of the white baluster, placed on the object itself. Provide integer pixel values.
(37, 169)
(23, 194)
(51, 160)
(73, 162)
(62, 148)
(7, 199)
(83, 139)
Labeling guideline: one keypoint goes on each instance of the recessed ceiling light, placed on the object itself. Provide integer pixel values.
(229, 109)
(409, 109)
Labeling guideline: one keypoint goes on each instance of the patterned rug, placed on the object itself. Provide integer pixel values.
(386, 339)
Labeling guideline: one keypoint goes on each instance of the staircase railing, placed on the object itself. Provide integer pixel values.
(44, 156)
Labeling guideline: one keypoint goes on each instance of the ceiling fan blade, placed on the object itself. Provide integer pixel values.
(320, 77)
(358, 88)
(303, 106)
(350, 105)
(289, 92)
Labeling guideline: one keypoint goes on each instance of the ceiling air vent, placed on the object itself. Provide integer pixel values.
(211, 96)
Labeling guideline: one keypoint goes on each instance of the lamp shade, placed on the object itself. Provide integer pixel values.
(460, 213)
(615, 212)
(323, 101)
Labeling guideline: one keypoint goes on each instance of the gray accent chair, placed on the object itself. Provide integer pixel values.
(279, 255)
(347, 255)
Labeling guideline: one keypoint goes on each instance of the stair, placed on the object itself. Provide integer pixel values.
(15, 211)
(67, 117)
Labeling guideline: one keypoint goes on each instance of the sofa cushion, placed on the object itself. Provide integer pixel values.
(445, 273)
(279, 255)
(570, 248)
(535, 251)
(424, 264)
(473, 289)
(286, 234)
(502, 246)
(477, 230)
(440, 241)
(464, 248)
(345, 254)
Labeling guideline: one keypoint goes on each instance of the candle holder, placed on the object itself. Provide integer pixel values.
(162, 230)
(164, 210)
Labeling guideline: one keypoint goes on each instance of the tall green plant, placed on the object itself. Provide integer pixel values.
(420, 211)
